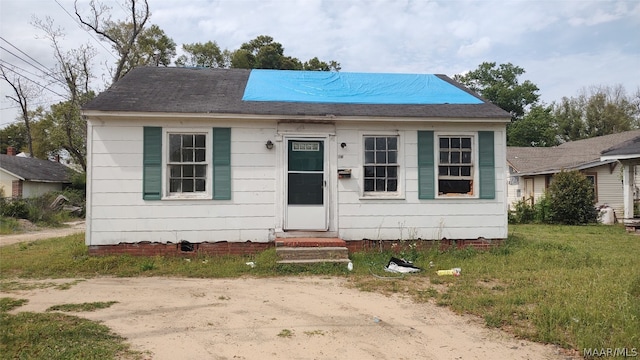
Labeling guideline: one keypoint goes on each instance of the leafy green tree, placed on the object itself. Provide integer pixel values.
(568, 114)
(14, 135)
(599, 111)
(264, 53)
(571, 199)
(536, 128)
(153, 47)
(203, 55)
(500, 85)
(316, 64)
(609, 111)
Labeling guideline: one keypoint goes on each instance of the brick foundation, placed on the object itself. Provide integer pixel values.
(245, 248)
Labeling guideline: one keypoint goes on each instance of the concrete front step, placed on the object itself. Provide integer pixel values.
(306, 234)
(298, 255)
(310, 242)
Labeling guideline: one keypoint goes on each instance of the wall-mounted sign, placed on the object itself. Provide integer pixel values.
(305, 146)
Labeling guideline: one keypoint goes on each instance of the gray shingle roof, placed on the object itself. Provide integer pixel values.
(201, 90)
(578, 154)
(38, 170)
(629, 147)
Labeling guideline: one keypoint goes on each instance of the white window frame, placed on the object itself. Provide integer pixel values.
(475, 171)
(399, 193)
(207, 194)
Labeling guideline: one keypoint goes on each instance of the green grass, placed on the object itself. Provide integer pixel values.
(9, 226)
(28, 335)
(577, 287)
(92, 306)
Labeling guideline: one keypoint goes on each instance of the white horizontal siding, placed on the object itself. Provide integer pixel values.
(119, 214)
(408, 216)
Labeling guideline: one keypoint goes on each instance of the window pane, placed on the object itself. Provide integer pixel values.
(393, 157)
(200, 155)
(200, 185)
(369, 157)
(187, 155)
(392, 143)
(174, 148)
(187, 171)
(455, 157)
(454, 170)
(444, 157)
(455, 143)
(174, 185)
(465, 171)
(381, 157)
(187, 185)
(381, 171)
(444, 143)
(380, 185)
(175, 171)
(466, 143)
(368, 185)
(392, 171)
(369, 143)
(201, 171)
(369, 171)
(187, 140)
(381, 143)
(443, 170)
(200, 141)
(392, 185)
(466, 157)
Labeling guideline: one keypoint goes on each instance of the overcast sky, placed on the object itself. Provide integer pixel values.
(563, 45)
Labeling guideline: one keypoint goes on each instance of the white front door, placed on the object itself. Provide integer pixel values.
(305, 200)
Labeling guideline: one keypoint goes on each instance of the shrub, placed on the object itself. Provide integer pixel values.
(17, 208)
(542, 210)
(571, 199)
(523, 213)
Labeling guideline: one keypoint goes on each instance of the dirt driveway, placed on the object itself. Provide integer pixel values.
(278, 318)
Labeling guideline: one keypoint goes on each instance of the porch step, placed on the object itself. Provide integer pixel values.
(306, 234)
(307, 255)
(310, 242)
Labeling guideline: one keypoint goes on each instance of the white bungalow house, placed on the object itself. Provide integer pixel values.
(25, 177)
(532, 168)
(628, 154)
(242, 157)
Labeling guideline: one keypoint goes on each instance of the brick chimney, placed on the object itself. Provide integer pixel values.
(11, 151)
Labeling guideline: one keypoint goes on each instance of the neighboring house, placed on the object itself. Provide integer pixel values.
(628, 154)
(532, 168)
(24, 177)
(191, 155)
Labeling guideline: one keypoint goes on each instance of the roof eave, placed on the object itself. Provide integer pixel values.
(105, 115)
(583, 166)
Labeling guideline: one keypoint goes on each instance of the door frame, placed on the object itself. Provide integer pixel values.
(326, 201)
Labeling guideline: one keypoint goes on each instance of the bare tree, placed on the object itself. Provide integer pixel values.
(121, 34)
(23, 94)
(72, 70)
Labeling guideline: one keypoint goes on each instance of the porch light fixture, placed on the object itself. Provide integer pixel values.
(269, 144)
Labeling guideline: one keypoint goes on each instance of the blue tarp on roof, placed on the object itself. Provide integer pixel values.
(352, 88)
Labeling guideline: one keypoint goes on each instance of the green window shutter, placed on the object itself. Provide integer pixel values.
(426, 174)
(221, 163)
(486, 163)
(152, 163)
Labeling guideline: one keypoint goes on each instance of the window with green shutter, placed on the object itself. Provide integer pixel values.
(456, 165)
(197, 164)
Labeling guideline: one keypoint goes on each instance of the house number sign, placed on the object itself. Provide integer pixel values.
(306, 146)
